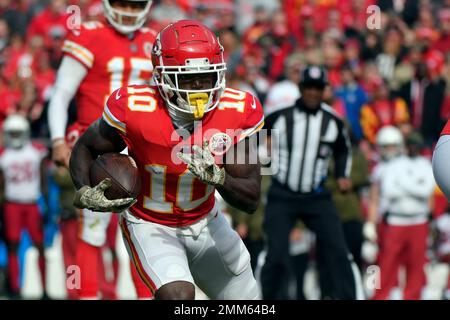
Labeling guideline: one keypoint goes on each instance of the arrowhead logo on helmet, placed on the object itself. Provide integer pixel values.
(183, 52)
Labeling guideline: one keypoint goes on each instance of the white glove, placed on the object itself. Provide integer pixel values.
(370, 231)
(94, 199)
(201, 163)
(369, 251)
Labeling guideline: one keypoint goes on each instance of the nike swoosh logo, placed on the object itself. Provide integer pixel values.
(118, 96)
(254, 103)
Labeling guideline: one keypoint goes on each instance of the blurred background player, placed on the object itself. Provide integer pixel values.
(99, 57)
(23, 179)
(407, 184)
(389, 143)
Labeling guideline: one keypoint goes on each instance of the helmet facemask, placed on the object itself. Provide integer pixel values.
(16, 131)
(390, 151)
(16, 139)
(195, 102)
(118, 18)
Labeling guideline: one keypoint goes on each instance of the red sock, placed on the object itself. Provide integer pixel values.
(142, 291)
(87, 260)
(41, 263)
(13, 272)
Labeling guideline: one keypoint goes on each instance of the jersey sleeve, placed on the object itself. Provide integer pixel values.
(115, 109)
(253, 117)
(79, 45)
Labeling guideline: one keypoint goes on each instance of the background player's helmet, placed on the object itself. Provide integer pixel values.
(390, 142)
(184, 48)
(16, 131)
(116, 17)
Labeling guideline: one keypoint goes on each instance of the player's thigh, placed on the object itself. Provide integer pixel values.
(34, 223)
(13, 220)
(441, 167)
(157, 253)
(93, 227)
(221, 267)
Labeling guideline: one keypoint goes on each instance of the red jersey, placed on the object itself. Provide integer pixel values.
(171, 194)
(113, 60)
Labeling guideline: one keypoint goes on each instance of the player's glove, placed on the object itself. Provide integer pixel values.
(94, 199)
(370, 231)
(201, 163)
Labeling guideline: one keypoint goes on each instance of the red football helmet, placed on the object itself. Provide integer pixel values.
(185, 48)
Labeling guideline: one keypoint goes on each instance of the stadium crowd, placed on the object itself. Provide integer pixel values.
(395, 73)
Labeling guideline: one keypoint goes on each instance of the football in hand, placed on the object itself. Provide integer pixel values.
(123, 172)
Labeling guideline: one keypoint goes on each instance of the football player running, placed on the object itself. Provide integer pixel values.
(175, 233)
(99, 57)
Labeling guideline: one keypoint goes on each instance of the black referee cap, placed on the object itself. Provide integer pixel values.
(314, 76)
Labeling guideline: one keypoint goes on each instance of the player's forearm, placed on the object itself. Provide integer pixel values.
(70, 75)
(98, 139)
(241, 193)
(373, 208)
(80, 162)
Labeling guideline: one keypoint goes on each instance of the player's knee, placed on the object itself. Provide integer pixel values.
(178, 290)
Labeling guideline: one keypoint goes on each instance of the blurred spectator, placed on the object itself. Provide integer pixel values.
(276, 45)
(443, 43)
(50, 23)
(16, 15)
(232, 49)
(245, 11)
(254, 79)
(408, 9)
(284, 93)
(165, 12)
(352, 56)
(371, 47)
(382, 111)
(4, 34)
(424, 95)
(333, 60)
(259, 28)
(335, 102)
(354, 97)
(392, 53)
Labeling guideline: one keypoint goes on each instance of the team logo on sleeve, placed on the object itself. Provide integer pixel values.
(219, 143)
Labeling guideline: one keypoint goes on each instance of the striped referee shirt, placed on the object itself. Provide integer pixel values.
(303, 145)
